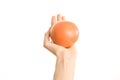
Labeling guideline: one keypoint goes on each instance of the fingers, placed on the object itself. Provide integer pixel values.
(53, 20)
(51, 46)
(47, 44)
(46, 39)
(63, 18)
(59, 17)
(54, 48)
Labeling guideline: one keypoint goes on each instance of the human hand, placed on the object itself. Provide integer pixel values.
(59, 51)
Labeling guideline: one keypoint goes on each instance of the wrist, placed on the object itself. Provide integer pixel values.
(66, 57)
(66, 61)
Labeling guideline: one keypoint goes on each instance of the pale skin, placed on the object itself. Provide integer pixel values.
(65, 57)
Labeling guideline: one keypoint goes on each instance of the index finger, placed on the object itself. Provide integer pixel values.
(53, 20)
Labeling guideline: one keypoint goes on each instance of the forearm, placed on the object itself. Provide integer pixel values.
(64, 70)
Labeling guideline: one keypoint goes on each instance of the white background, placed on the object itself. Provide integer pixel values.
(24, 22)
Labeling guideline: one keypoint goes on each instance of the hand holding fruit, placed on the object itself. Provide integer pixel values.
(63, 34)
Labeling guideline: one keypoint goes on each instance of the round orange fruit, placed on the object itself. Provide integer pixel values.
(64, 33)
